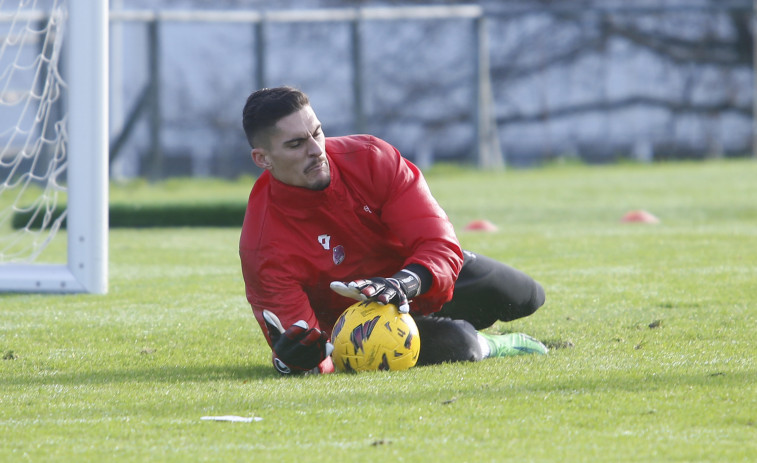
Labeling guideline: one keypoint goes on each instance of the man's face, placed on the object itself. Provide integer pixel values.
(295, 151)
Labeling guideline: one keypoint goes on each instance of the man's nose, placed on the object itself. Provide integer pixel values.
(314, 149)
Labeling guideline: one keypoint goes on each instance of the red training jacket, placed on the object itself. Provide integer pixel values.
(376, 217)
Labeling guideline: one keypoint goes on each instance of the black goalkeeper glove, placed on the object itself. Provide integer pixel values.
(398, 290)
(297, 349)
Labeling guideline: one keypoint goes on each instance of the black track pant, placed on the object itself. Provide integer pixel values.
(486, 291)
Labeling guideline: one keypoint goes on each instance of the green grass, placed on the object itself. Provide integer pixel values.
(652, 329)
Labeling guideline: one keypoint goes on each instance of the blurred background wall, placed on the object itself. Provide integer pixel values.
(598, 81)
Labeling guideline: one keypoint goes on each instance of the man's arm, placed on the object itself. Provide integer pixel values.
(395, 189)
(285, 317)
(407, 208)
(416, 218)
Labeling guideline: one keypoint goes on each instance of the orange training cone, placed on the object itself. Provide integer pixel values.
(481, 225)
(640, 216)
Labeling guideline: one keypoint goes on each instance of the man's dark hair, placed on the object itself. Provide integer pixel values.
(265, 107)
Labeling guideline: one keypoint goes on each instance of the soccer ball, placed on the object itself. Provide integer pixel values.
(370, 336)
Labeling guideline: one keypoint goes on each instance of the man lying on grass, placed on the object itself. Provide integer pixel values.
(336, 219)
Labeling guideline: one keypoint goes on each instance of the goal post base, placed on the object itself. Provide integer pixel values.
(28, 278)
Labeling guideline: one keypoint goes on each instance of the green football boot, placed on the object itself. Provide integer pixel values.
(505, 345)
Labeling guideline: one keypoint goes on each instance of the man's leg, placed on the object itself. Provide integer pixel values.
(446, 340)
(488, 290)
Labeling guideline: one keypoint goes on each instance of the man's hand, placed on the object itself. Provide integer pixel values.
(397, 290)
(299, 348)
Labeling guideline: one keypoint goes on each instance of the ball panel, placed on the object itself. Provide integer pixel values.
(370, 336)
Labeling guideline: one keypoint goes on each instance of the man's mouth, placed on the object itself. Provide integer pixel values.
(314, 166)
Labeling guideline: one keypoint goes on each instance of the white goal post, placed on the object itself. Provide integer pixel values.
(85, 93)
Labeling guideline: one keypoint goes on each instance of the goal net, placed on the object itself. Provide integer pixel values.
(53, 146)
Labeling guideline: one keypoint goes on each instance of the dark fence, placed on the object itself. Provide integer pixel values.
(488, 86)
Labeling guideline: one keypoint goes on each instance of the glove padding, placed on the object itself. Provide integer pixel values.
(297, 349)
(397, 290)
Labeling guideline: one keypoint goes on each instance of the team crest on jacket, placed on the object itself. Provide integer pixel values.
(338, 254)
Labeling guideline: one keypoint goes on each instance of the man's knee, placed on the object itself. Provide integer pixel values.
(537, 298)
(488, 290)
(525, 306)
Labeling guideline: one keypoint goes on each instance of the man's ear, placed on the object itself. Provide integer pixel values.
(260, 158)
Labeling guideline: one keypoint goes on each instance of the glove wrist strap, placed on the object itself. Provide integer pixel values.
(410, 282)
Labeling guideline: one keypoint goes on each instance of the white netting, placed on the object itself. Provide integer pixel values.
(33, 134)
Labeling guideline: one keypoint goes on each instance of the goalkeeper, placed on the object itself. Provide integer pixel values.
(333, 220)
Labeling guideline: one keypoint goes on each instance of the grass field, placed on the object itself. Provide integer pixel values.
(652, 329)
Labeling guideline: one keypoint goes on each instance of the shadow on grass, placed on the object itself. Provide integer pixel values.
(155, 374)
(628, 381)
